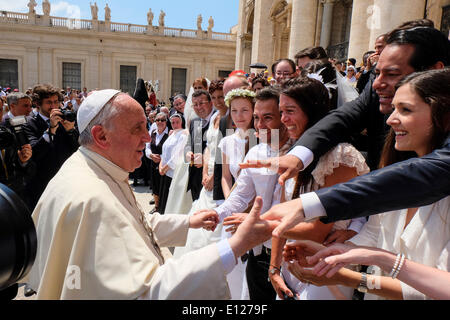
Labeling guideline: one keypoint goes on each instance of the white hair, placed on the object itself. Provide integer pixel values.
(103, 118)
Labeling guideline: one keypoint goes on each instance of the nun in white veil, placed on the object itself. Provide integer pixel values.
(180, 200)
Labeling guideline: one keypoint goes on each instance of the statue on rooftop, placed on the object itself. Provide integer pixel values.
(107, 13)
(31, 5)
(94, 11)
(46, 7)
(150, 17)
(210, 23)
(161, 18)
(199, 22)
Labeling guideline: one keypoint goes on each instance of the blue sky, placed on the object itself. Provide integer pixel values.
(179, 13)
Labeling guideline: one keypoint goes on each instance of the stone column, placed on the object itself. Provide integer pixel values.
(327, 22)
(238, 64)
(359, 32)
(303, 25)
(262, 33)
(404, 11)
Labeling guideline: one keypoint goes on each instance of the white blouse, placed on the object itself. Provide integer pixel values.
(426, 239)
(233, 146)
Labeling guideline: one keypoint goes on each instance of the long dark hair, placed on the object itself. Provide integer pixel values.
(313, 98)
(433, 87)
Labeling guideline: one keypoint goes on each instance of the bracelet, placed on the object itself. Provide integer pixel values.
(397, 260)
(279, 269)
(399, 267)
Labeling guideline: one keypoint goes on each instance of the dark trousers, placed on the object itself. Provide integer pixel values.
(155, 178)
(257, 273)
(164, 193)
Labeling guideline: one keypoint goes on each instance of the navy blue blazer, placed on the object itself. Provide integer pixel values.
(412, 183)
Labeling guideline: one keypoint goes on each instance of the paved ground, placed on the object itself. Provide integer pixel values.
(143, 196)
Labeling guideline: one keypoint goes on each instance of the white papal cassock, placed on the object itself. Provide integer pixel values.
(88, 220)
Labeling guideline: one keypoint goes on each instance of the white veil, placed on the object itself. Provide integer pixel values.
(346, 92)
(189, 113)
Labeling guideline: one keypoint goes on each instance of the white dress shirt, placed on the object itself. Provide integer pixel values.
(252, 182)
(312, 207)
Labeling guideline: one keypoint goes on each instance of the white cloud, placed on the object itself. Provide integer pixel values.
(67, 10)
(16, 6)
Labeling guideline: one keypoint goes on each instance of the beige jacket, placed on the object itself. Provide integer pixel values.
(93, 245)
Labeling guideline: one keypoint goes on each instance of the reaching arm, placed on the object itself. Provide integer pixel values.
(412, 183)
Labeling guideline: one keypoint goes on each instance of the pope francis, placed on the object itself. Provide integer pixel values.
(95, 242)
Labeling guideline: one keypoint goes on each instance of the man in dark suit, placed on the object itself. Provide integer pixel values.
(52, 139)
(203, 107)
(416, 182)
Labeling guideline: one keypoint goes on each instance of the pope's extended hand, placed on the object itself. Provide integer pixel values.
(252, 231)
(207, 219)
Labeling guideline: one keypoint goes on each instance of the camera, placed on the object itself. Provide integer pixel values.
(68, 115)
(17, 128)
(18, 240)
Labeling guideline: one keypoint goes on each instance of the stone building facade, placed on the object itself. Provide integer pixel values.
(103, 54)
(272, 29)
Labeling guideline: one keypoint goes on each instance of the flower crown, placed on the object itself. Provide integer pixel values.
(244, 93)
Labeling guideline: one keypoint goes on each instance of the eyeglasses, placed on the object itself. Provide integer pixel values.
(285, 74)
(160, 120)
(195, 105)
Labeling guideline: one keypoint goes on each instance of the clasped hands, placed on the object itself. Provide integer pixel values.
(195, 158)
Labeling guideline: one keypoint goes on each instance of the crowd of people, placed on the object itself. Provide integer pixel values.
(263, 185)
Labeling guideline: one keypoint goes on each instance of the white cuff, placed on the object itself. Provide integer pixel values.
(46, 136)
(304, 154)
(226, 255)
(356, 224)
(312, 207)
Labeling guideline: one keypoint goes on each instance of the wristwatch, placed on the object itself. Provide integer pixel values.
(363, 284)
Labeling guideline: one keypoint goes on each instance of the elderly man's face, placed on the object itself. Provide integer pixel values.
(202, 106)
(22, 108)
(128, 134)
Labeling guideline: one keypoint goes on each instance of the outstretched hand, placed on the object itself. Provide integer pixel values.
(286, 166)
(289, 213)
(252, 231)
(207, 219)
(300, 250)
(331, 259)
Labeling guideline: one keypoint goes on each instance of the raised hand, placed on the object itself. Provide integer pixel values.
(290, 213)
(234, 221)
(286, 166)
(252, 231)
(301, 249)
